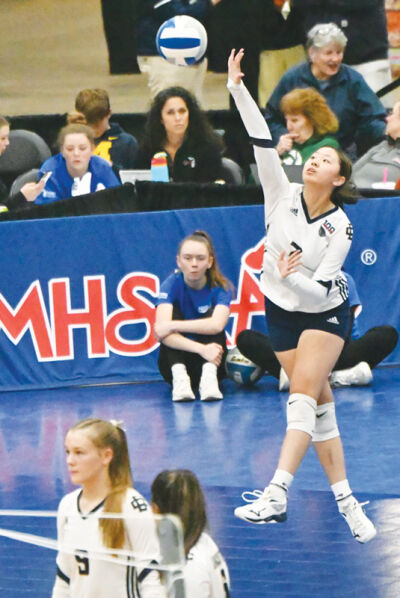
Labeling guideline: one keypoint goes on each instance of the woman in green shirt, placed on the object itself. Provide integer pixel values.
(310, 123)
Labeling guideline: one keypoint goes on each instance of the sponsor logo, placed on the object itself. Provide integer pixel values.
(328, 227)
(333, 320)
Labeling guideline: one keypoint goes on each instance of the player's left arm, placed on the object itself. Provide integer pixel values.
(210, 325)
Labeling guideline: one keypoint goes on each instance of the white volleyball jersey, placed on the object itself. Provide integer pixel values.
(319, 284)
(84, 575)
(206, 572)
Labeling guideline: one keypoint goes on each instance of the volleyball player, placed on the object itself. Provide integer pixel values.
(98, 461)
(192, 312)
(308, 236)
(206, 573)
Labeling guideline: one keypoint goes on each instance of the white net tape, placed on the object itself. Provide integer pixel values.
(170, 560)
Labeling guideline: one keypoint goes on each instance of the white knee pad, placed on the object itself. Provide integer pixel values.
(300, 413)
(325, 423)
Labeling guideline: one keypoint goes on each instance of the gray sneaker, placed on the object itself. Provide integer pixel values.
(262, 508)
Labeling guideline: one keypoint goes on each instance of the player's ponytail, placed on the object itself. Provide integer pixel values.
(346, 193)
(110, 434)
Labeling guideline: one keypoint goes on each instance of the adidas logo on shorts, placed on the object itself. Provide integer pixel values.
(333, 320)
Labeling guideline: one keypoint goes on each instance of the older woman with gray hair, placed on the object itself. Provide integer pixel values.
(361, 115)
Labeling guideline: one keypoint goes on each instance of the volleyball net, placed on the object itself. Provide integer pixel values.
(29, 546)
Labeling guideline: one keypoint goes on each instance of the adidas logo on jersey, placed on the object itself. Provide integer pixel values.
(333, 320)
(294, 211)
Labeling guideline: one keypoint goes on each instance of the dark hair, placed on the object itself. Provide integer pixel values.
(346, 193)
(215, 277)
(199, 128)
(72, 129)
(110, 434)
(178, 491)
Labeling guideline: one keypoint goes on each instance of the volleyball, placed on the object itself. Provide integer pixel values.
(182, 40)
(240, 369)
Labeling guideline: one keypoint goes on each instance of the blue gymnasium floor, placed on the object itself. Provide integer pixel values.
(232, 445)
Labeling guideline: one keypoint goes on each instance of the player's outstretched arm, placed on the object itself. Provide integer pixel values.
(272, 176)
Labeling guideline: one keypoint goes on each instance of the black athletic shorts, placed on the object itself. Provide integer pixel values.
(285, 327)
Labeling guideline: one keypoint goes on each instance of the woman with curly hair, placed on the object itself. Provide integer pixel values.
(177, 127)
(310, 122)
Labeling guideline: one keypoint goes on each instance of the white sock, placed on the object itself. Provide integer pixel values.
(341, 490)
(179, 369)
(209, 369)
(281, 482)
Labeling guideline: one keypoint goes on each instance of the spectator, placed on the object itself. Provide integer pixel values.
(281, 40)
(177, 126)
(112, 143)
(380, 167)
(75, 170)
(310, 124)
(367, 54)
(161, 74)
(361, 352)
(179, 492)
(361, 115)
(192, 312)
(29, 191)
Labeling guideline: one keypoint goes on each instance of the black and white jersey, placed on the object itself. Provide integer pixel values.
(85, 576)
(206, 572)
(324, 241)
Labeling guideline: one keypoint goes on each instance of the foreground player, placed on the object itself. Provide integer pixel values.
(308, 238)
(179, 492)
(192, 312)
(98, 461)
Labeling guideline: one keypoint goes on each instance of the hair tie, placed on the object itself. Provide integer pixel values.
(118, 424)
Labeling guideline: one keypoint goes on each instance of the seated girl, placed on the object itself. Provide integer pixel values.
(178, 127)
(192, 312)
(75, 170)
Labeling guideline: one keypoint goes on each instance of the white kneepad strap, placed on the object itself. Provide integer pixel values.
(300, 413)
(325, 423)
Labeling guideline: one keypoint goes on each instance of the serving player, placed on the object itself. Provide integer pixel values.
(308, 236)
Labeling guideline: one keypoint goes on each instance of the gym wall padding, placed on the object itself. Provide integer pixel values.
(77, 294)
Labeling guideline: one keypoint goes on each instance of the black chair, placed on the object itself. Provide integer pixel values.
(27, 150)
(27, 177)
(231, 172)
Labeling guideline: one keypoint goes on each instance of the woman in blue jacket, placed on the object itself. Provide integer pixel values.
(75, 170)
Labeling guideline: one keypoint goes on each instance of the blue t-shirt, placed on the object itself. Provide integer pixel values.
(192, 303)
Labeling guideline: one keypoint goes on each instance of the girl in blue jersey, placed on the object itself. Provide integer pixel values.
(307, 309)
(98, 461)
(75, 170)
(192, 312)
(206, 574)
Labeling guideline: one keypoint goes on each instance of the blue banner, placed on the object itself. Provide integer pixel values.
(77, 294)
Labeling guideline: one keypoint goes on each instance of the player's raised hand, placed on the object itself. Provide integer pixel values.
(234, 71)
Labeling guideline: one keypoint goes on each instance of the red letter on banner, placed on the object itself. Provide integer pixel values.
(65, 319)
(250, 299)
(30, 313)
(137, 310)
